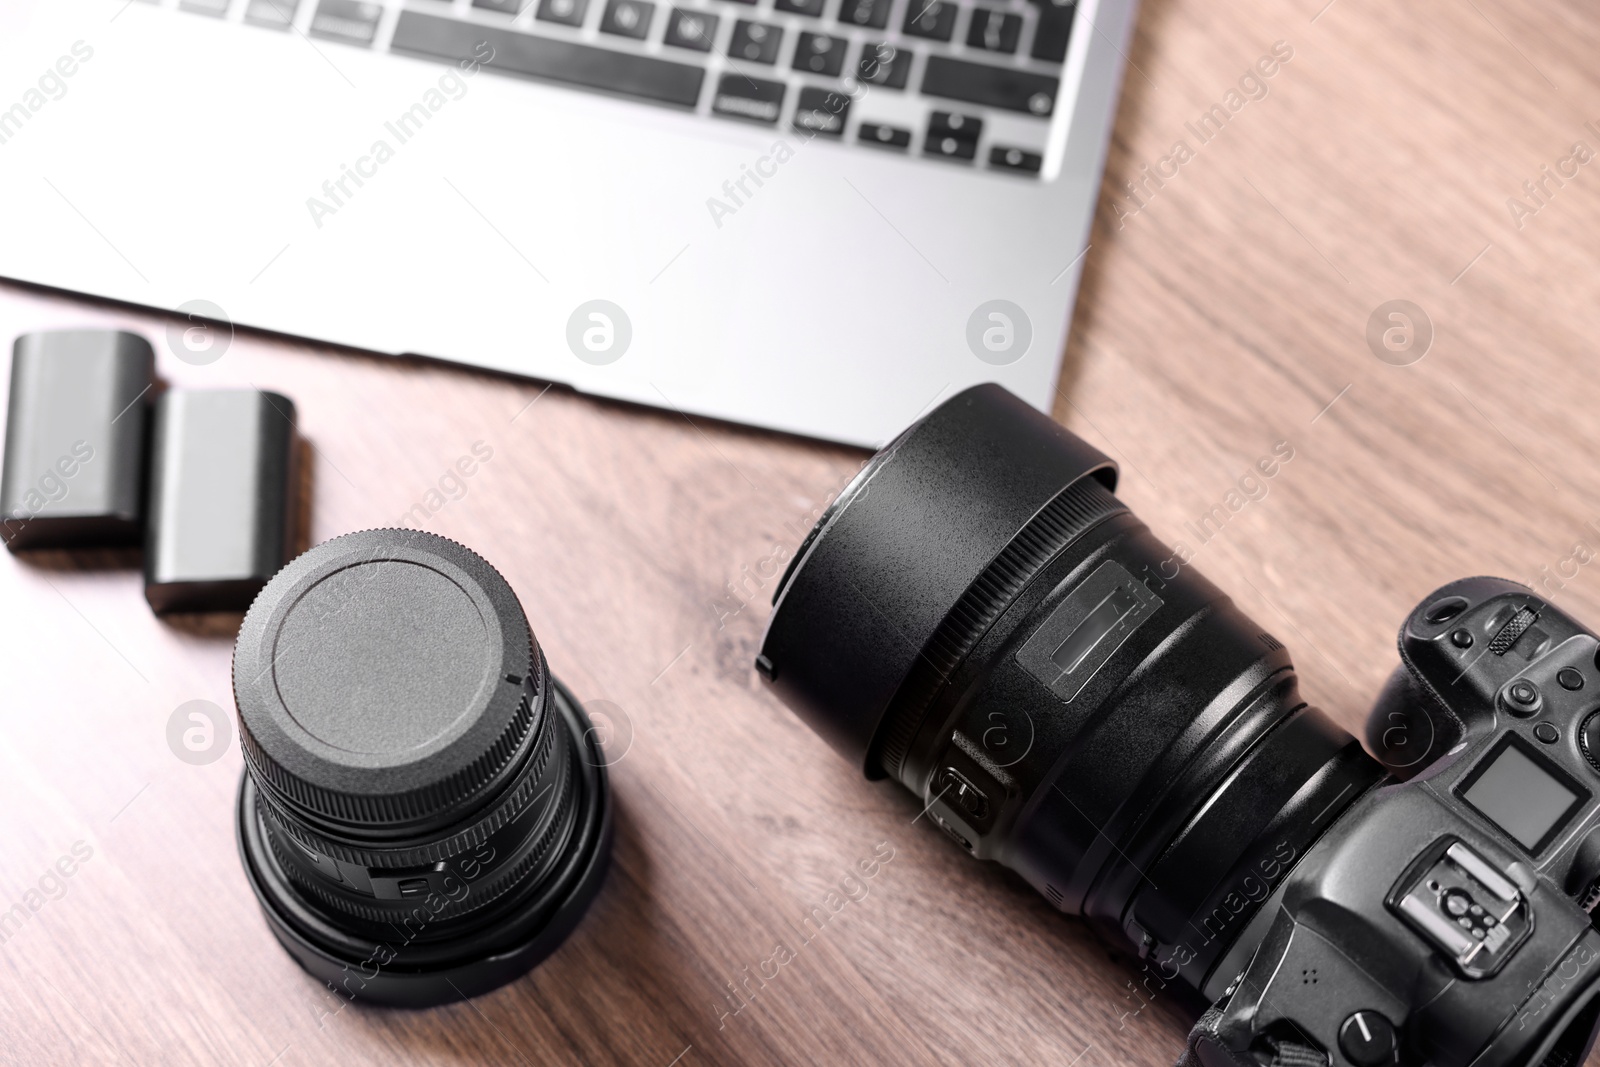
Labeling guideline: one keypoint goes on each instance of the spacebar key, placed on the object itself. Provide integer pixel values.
(542, 57)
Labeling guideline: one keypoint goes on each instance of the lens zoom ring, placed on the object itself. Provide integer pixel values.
(1058, 524)
(402, 807)
(479, 895)
(508, 808)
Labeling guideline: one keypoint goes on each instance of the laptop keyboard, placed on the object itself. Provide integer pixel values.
(921, 77)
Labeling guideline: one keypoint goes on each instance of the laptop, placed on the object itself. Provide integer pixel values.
(817, 216)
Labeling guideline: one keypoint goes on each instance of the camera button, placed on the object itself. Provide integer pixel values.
(1367, 1039)
(1589, 739)
(1522, 698)
(1547, 733)
(962, 794)
(1570, 678)
(1461, 639)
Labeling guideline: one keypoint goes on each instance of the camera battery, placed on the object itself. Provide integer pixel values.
(222, 490)
(75, 439)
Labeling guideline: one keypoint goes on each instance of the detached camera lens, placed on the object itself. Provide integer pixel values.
(424, 813)
(980, 618)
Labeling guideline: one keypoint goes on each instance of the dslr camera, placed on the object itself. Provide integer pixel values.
(980, 618)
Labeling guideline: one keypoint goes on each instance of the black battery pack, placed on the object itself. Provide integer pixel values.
(75, 439)
(222, 494)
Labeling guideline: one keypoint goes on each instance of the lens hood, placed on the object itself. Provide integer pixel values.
(873, 584)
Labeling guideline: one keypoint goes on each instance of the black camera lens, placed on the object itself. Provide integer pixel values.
(424, 812)
(978, 617)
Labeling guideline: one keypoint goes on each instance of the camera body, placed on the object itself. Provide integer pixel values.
(1443, 918)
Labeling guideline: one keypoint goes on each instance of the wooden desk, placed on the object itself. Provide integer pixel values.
(1226, 314)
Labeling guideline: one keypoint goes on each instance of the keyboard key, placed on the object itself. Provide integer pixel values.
(950, 148)
(349, 21)
(813, 8)
(627, 18)
(820, 54)
(930, 18)
(884, 65)
(755, 41)
(821, 111)
(1055, 29)
(274, 14)
(943, 124)
(217, 8)
(509, 7)
(645, 77)
(978, 83)
(883, 136)
(566, 12)
(952, 136)
(748, 98)
(1015, 159)
(691, 29)
(873, 13)
(993, 30)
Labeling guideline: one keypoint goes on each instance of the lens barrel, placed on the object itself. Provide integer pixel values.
(979, 617)
(424, 813)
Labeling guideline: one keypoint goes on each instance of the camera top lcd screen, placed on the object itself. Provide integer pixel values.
(1522, 795)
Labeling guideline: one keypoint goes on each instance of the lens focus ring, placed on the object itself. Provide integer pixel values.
(474, 880)
(508, 807)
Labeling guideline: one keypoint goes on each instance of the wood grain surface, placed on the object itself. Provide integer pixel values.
(1224, 309)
